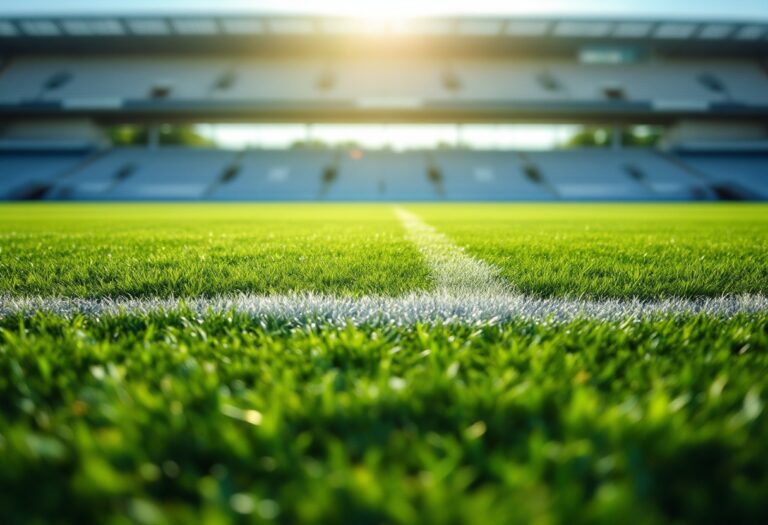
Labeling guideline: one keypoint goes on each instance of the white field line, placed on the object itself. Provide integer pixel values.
(455, 272)
(468, 291)
(303, 309)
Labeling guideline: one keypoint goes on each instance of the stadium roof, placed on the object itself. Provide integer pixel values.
(20, 33)
(575, 39)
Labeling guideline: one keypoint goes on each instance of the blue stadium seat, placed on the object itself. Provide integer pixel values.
(274, 175)
(487, 176)
(168, 173)
(31, 174)
(382, 176)
(744, 174)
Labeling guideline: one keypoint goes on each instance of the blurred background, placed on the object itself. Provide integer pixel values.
(335, 100)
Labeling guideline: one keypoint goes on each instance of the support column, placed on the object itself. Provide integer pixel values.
(153, 136)
(616, 142)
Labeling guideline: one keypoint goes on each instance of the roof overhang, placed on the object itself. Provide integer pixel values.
(350, 110)
(254, 33)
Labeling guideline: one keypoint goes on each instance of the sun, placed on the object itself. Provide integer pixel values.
(376, 11)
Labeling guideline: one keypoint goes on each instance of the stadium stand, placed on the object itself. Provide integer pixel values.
(629, 174)
(151, 70)
(382, 175)
(173, 173)
(141, 174)
(277, 176)
(733, 176)
(99, 82)
(30, 175)
(488, 175)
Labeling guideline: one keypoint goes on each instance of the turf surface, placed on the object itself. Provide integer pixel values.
(659, 250)
(174, 418)
(612, 250)
(183, 417)
(102, 250)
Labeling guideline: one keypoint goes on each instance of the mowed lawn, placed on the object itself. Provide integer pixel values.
(184, 250)
(615, 250)
(549, 250)
(181, 417)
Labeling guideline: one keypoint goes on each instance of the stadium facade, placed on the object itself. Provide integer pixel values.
(65, 80)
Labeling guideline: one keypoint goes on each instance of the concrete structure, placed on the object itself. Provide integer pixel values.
(64, 79)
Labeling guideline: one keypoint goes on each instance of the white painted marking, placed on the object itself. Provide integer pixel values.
(302, 309)
(468, 291)
(454, 271)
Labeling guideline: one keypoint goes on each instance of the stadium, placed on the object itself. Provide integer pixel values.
(263, 266)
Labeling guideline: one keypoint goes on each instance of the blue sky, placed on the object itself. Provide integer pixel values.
(398, 8)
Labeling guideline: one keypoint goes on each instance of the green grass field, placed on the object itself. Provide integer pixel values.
(98, 250)
(188, 250)
(178, 416)
(616, 250)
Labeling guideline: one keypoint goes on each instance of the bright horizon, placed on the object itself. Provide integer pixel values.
(395, 136)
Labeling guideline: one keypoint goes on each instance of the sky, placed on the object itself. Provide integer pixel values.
(396, 136)
(403, 8)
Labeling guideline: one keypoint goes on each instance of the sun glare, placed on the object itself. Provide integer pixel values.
(379, 12)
